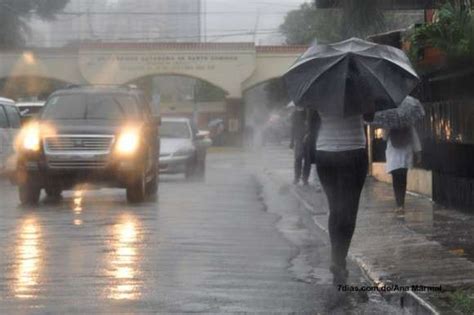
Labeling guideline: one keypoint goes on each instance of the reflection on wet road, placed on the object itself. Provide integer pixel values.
(203, 247)
(124, 260)
(28, 259)
(77, 208)
(74, 255)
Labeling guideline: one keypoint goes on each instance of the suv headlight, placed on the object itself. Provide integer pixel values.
(128, 141)
(30, 138)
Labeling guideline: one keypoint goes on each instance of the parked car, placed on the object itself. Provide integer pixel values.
(104, 136)
(183, 148)
(29, 110)
(9, 127)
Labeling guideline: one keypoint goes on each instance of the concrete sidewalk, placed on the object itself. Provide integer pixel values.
(414, 249)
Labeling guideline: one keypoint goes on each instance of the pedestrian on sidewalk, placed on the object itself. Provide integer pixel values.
(342, 81)
(342, 165)
(402, 145)
(312, 128)
(297, 143)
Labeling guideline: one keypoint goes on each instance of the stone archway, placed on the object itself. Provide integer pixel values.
(185, 96)
(223, 65)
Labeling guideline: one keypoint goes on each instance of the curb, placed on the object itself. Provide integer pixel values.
(407, 301)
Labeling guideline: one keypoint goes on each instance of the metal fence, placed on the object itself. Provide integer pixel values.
(449, 121)
(447, 133)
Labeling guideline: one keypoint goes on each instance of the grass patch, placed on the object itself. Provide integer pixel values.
(461, 300)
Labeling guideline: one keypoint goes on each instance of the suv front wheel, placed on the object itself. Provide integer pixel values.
(29, 192)
(136, 189)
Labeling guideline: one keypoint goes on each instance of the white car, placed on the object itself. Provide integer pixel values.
(183, 147)
(10, 124)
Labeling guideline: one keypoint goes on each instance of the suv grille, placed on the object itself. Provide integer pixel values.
(77, 164)
(78, 143)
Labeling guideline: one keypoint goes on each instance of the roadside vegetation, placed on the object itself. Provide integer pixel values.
(14, 16)
(352, 18)
(452, 34)
(460, 300)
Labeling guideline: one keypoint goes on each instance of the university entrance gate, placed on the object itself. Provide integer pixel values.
(233, 67)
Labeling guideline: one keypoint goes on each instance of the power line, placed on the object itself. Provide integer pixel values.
(161, 38)
(79, 13)
(230, 2)
(157, 33)
(240, 30)
(259, 3)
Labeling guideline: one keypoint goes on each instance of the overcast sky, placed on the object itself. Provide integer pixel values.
(225, 21)
(263, 15)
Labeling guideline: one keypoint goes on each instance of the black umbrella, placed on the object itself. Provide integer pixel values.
(350, 77)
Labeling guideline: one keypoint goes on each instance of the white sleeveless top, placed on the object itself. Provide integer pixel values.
(338, 134)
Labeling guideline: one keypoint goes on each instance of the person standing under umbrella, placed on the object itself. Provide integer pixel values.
(402, 145)
(298, 119)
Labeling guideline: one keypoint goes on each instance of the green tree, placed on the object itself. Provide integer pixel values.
(361, 18)
(347, 18)
(306, 24)
(14, 15)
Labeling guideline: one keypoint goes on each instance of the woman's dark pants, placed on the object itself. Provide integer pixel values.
(342, 176)
(399, 179)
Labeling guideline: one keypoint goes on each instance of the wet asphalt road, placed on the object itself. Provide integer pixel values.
(202, 247)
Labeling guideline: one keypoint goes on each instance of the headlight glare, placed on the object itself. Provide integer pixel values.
(31, 138)
(128, 141)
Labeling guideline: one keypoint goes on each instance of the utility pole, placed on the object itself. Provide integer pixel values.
(204, 17)
(257, 21)
(195, 103)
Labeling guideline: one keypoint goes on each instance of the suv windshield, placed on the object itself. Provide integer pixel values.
(91, 106)
(174, 129)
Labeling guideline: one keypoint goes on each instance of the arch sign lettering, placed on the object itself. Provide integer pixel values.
(225, 68)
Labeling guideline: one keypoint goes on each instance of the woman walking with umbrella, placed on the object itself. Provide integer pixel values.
(403, 143)
(346, 83)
